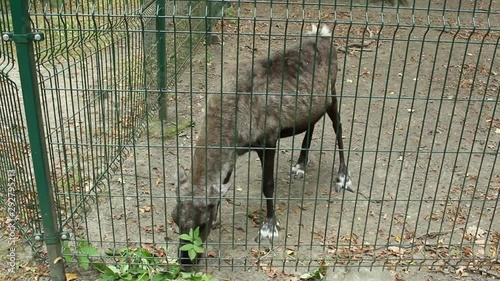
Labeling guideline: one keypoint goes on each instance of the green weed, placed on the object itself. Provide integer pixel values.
(229, 12)
(136, 264)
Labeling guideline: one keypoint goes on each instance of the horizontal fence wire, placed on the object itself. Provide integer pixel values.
(418, 89)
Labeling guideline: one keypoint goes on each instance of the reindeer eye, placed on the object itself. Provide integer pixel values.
(228, 177)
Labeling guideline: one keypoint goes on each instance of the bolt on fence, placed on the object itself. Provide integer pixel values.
(128, 90)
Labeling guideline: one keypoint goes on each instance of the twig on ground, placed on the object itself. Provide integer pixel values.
(361, 46)
(273, 248)
(432, 235)
(487, 272)
(369, 31)
(368, 197)
(267, 38)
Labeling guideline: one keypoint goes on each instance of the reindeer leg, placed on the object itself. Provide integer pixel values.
(344, 177)
(298, 170)
(215, 222)
(270, 227)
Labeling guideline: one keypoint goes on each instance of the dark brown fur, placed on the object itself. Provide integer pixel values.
(253, 121)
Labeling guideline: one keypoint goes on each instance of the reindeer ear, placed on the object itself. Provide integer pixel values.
(325, 30)
(181, 175)
(314, 28)
(181, 180)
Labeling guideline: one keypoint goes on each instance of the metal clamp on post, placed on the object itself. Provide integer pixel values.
(23, 38)
(64, 235)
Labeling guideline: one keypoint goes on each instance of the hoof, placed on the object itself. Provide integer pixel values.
(298, 171)
(344, 181)
(269, 230)
(216, 225)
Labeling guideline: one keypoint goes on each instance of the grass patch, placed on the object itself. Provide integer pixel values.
(173, 129)
(69, 183)
(170, 130)
(317, 275)
(229, 12)
(210, 58)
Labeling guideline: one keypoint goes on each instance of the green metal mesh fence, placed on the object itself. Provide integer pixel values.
(90, 71)
(418, 90)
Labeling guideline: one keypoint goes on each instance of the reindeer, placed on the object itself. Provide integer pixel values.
(298, 81)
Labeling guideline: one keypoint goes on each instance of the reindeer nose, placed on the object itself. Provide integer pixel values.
(185, 260)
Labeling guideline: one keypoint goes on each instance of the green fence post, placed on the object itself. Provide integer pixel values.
(213, 8)
(208, 22)
(23, 38)
(161, 56)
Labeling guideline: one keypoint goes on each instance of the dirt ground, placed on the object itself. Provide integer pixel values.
(422, 129)
(421, 124)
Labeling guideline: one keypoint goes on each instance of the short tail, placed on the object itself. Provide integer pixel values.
(324, 32)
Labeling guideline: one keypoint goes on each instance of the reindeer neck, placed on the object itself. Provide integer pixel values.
(209, 158)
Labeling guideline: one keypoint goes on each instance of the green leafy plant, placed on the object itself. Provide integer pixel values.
(210, 57)
(84, 251)
(229, 12)
(195, 246)
(136, 264)
(317, 275)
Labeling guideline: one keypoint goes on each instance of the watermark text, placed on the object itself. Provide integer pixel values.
(11, 219)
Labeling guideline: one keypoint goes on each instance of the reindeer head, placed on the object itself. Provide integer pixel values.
(193, 209)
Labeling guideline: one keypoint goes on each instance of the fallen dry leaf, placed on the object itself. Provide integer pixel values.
(397, 239)
(398, 278)
(467, 251)
(212, 254)
(71, 276)
(480, 242)
(396, 249)
(461, 271)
